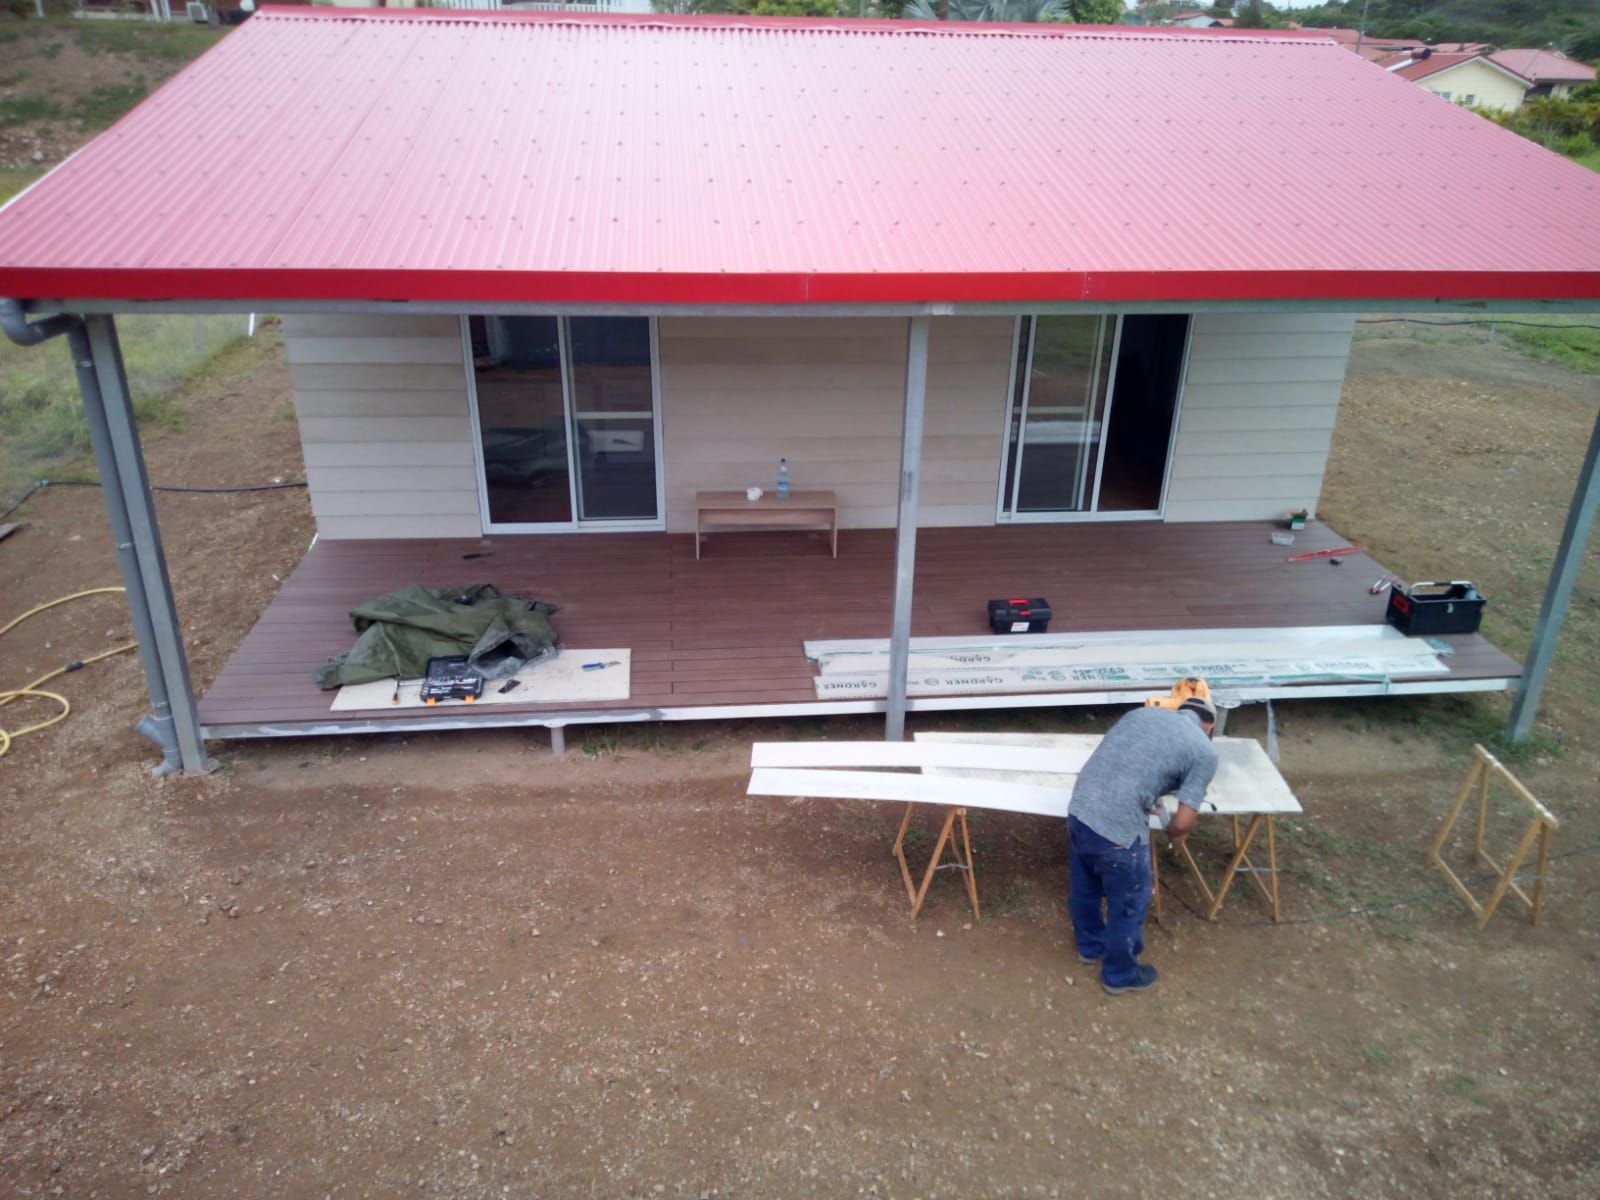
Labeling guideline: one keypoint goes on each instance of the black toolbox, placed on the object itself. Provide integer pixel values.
(1019, 616)
(1439, 607)
(450, 678)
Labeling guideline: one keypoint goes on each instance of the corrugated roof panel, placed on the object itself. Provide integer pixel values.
(404, 155)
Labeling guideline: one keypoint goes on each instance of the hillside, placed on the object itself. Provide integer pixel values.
(64, 80)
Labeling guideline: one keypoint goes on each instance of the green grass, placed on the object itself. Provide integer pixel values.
(176, 43)
(42, 425)
(16, 110)
(109, 103)
(1573, 342)
(1371, 1054)
(12, 182)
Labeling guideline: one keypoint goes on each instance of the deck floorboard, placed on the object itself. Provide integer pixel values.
(727, 631)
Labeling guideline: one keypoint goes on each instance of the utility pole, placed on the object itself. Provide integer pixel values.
(1361, 31)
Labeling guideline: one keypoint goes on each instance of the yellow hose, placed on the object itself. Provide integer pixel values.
(31, 689)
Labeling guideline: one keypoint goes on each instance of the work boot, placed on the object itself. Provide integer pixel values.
(1143, 980)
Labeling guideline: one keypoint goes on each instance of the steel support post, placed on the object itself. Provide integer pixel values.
(139, 540)
(905, 544)
(1563, 575)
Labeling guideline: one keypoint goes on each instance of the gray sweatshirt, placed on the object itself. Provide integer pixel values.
(1145, 755)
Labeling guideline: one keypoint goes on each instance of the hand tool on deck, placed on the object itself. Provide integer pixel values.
(600, 666)
(1383, 584)
(1326, 553)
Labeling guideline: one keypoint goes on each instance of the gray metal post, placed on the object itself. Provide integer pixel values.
(145, 536)
(1563, 575)
(122, 536)
(905, 544)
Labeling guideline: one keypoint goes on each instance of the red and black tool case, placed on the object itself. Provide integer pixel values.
(1019, 616)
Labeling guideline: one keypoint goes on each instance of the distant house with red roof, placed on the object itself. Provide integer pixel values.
(1472, 79)
(1375, 49)
(1197, 18)
(1550, 72)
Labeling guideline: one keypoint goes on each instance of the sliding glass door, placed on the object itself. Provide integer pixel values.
(1092, 412)
(567, 419)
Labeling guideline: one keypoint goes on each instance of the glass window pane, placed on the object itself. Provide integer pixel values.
(1066, 404)
(613, 401)
(522, 418)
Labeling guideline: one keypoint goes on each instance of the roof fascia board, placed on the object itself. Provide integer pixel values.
(43, 308)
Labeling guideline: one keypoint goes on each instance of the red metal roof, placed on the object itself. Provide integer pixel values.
(1434, 64)
(1544, 66)
(392, 155)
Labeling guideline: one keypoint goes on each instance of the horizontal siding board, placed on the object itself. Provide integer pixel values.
(412, 349)
(1227, 372)
(416, 525)
(1211, 420)
(1215, 467)
(1231, 346)
(1223, 324)
(738, 394)
(1213, 509)
(369, 325)
(1261, 395)
(396, 503)
(377, 377)
(389, 454)
(1260, 403)
(1295, 490)
(381, 405)
(400, 429)
(1254, 441)
(379, 480)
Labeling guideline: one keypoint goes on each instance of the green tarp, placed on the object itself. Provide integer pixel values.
(402, 630)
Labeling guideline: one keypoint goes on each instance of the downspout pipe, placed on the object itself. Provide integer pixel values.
(14, 320)
(159, 725)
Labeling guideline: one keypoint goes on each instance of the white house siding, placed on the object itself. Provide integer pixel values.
(382, 404)
(1478, 84)
(1259, 403)
(828, 394)
(383, 409)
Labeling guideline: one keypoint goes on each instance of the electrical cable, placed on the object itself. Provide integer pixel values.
(41, 484)
(1467, 324)
(32, 688)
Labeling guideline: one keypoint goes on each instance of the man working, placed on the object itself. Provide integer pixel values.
(1145, 755)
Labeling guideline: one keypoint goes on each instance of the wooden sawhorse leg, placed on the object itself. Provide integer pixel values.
(962, 849)
(1240, 860)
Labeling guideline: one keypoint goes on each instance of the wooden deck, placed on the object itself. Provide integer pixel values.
(722, 636)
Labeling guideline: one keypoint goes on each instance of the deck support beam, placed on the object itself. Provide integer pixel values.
(174, 722)
(905, 542)
(1558, 593)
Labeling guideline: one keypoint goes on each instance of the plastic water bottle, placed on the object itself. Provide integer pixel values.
(783, 479)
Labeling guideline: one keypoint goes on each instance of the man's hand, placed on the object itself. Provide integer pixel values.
(1182, 822)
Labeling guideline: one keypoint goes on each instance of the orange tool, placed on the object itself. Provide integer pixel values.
(1326, 553)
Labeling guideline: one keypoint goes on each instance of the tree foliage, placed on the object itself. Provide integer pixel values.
(1010, 11)
(1569, 25)
(1094, 12)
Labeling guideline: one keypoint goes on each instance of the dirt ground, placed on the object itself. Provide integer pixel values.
(456, 965)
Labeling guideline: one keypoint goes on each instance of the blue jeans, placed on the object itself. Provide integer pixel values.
(1119, 878)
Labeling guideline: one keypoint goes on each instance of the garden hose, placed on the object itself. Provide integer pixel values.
(32, 689)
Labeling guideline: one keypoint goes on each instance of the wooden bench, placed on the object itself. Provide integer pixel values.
(1021, 773)
(735, 510)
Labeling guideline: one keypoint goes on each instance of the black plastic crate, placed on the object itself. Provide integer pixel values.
(1019, 616)
(1438, 607)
